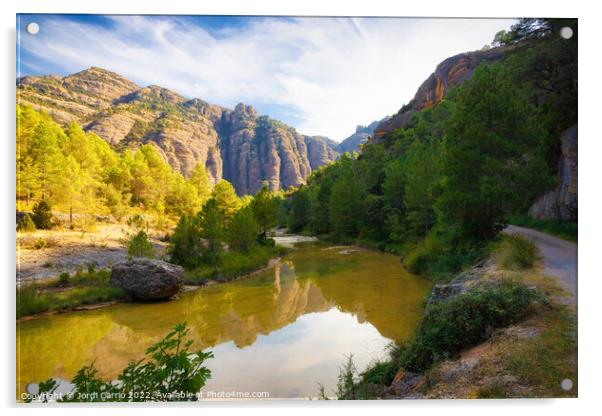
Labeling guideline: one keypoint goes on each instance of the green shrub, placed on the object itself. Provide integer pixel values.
(185, 243)
(42, 215)
(90, 296)
(242, 232)
(40, 243)
(64, 279)
(450, 326)
(515, 252)
(139, 246)
(234, 264)
(26, 224)
(85, 288)
(170, 372)
(440, 257)
(352, 385)
(91, 277)
(31, 300)
(380, 373)
(426, 251)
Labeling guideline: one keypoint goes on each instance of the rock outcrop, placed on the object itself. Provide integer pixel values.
(238, 145)
(449, 73)
(561, 203)
(362, 135)
(147, 279)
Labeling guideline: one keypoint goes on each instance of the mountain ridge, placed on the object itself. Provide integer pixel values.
(234, 144)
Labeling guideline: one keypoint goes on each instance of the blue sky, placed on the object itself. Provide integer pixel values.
(323, 76)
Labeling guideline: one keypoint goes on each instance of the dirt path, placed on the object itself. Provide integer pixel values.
(559, 257)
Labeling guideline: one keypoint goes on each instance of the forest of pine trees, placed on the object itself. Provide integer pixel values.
(438, 190)
(78, 172)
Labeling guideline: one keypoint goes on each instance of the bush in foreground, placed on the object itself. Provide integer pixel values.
(447, 328)
(169, 372)
(450, 326)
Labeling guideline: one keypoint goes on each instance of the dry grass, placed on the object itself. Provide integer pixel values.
(515, 252)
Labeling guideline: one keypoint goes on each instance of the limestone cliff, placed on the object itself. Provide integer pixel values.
(561, 203)
(449, 73)
(238, 145)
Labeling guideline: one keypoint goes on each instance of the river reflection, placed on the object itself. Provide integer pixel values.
(282, 331)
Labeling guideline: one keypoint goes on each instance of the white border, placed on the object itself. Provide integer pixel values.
(590, 183)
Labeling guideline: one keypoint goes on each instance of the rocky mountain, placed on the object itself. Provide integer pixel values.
(361, 136)
(449, 73)
(560, 203)
(237, 145)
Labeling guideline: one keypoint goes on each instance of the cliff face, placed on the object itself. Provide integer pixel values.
(362, 135)
(561, 203)
(237, 145)
(449, 73)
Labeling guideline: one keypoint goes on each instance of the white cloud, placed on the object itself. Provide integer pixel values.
(332, 73)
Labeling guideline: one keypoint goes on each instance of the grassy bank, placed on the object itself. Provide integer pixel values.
(85, 288)
(234, 264)
(564, 229)
(67, 292)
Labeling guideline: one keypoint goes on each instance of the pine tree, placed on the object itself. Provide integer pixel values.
(300, 211)
(242, 230)
(491, 163)
(26, 224)
(225, 196)
(212, 221)
(42, 215)
(422, 171)
(345, 207)
(264, 209)
(185, 242)
(200, 181)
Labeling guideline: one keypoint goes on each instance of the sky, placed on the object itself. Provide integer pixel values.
(321, 75)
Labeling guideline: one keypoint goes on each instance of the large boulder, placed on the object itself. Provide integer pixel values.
(147, 279)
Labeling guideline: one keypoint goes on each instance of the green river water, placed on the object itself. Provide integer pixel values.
(280, 331)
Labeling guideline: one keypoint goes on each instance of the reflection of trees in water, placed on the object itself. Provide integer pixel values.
(378, 290)
(60, 345)
(370, 285)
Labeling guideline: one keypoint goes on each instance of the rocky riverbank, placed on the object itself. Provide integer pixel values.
(536, 357)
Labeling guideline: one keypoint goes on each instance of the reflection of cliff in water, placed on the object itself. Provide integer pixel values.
(372, 286)
(238, 312)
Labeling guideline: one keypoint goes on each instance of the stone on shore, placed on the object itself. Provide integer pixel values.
(147, 279)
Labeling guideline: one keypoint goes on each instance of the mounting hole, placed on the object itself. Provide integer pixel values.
(566, 32)
(566, 384)
(32, 28)
(32, 388)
